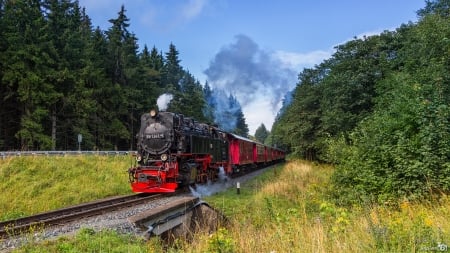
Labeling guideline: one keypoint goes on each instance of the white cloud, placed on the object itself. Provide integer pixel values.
(165, 18)
(366, 34)
(296, 60)
(372, 33)
(192, 9)
(260, 111)
(148, 17)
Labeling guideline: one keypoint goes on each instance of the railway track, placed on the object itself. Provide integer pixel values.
(123, 214)
(61, 216)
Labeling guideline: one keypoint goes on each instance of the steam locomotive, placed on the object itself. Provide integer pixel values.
(175, 151)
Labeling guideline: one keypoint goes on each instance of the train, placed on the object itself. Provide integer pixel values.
(174, 151)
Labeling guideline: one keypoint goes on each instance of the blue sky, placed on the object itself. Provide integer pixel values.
(253, 48)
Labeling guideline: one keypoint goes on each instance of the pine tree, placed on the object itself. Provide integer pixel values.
(173, 72)
(261, 133)
(97, 80)
(93, 80)
(172, 82)
(148, 85)
(117, 35)
(26, 66)
(208, 110)
(65, 33)
(191, 99)
(241, 126)
(5, 109)
(157, 64)
(122, 69)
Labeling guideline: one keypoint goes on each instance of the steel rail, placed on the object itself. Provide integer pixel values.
(56, 217)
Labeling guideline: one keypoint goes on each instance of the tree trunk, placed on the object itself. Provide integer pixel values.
(53, 130)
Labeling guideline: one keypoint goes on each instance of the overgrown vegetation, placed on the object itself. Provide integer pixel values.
(379, 109)
(289, 209)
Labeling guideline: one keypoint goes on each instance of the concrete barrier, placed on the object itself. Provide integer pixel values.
(178, 219)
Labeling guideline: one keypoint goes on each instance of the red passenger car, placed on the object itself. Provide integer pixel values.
(241, 151)
(259, 153)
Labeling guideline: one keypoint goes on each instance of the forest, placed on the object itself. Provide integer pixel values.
(378, 110)
(60, 78)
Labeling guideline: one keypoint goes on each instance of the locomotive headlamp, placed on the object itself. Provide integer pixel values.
(164, 157)
(153, 113)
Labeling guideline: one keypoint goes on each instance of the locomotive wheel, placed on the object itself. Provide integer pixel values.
(212, 174)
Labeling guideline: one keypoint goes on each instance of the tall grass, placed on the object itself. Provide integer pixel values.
(287, 209)
(30, 185)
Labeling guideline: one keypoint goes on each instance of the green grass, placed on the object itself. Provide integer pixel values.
(291, 212)
(30, 185)
(88, 240)
(283, 210)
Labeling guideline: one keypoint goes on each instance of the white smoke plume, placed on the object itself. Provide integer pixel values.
(257, 78)
(163, 101)
(211, 188)
(249, 72)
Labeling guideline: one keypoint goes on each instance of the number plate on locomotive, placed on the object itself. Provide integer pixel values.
(154, 136)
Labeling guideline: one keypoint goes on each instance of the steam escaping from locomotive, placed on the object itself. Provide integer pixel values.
(210, 188)
(222, 175)
(163, 101)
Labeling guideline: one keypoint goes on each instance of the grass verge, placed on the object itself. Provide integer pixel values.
(30, 185)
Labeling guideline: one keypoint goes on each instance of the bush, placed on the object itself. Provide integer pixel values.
(402, 150)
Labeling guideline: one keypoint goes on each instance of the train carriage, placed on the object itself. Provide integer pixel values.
(259, 153)
(269, 154)
(241, 150)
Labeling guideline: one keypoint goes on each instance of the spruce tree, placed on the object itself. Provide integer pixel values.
(208, 109)
(261, 133)
(65, 33)
(26, 64)
(148, 85)
(173, 72)
(122, 69)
